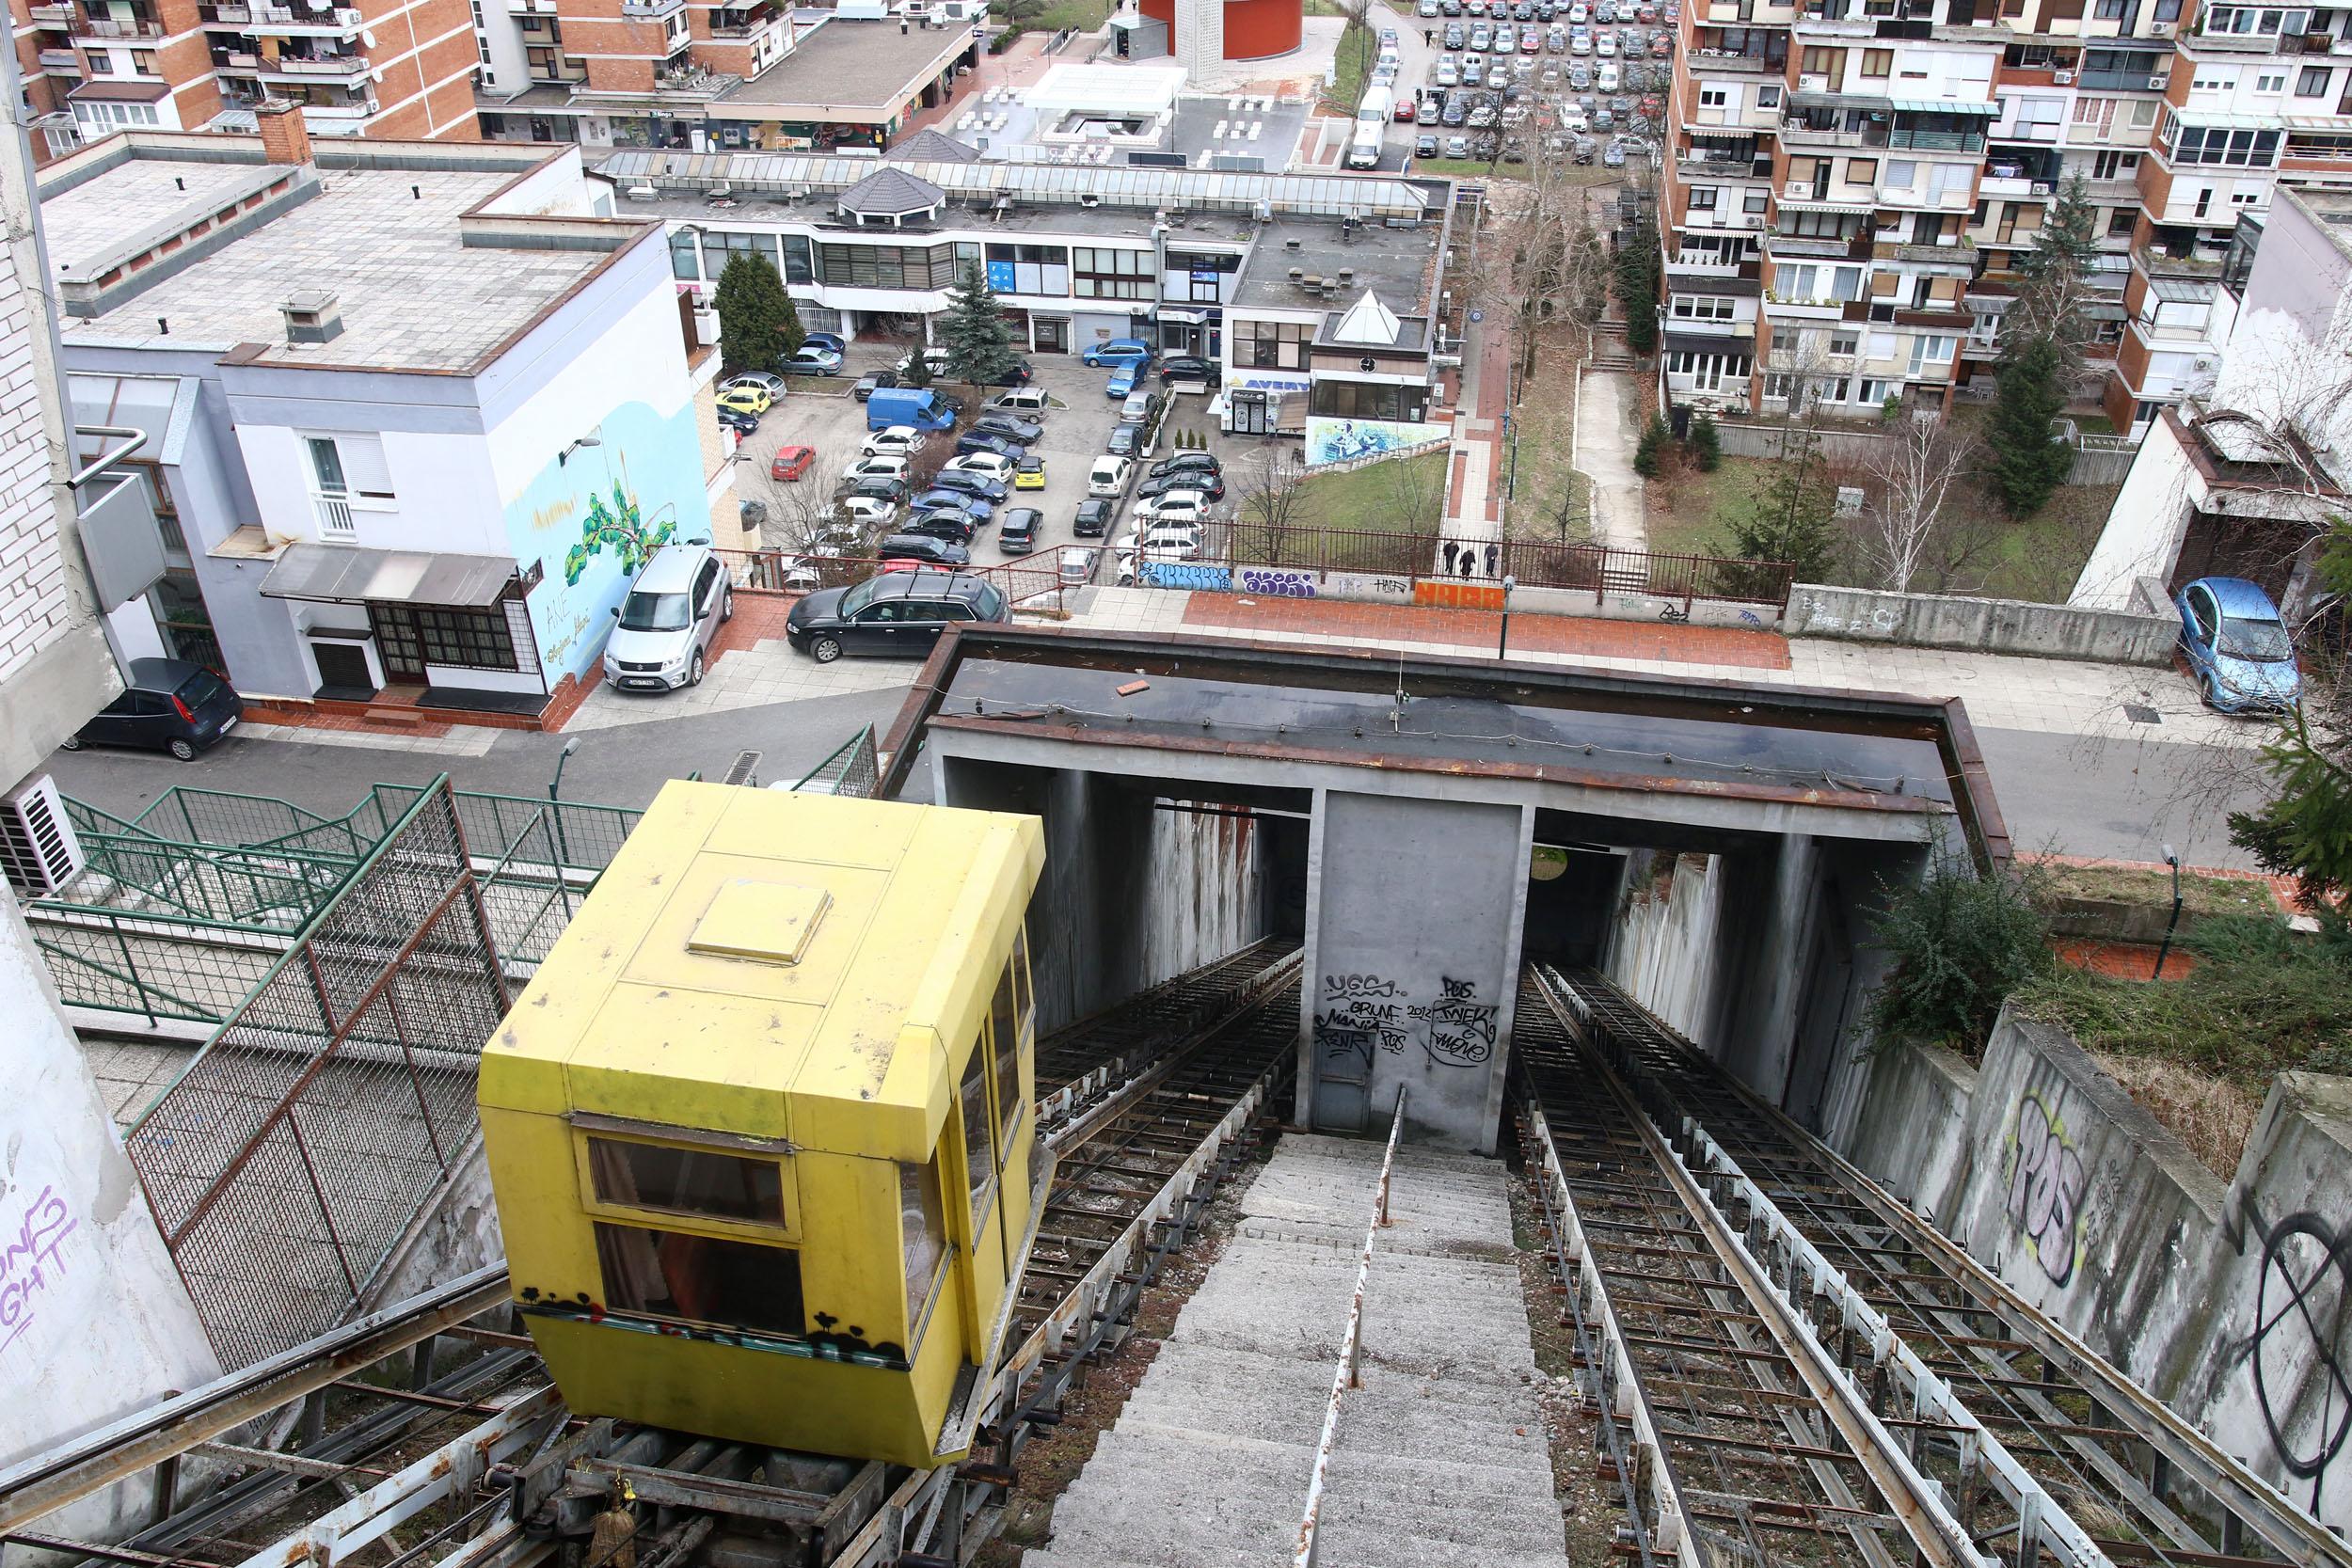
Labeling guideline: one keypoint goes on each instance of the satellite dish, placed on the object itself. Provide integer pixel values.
(366, 36)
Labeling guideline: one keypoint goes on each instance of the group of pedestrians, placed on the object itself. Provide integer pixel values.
(1465, 558)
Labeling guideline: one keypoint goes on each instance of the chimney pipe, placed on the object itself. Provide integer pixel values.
(285, 138)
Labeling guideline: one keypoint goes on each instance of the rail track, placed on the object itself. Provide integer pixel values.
(381, 1429)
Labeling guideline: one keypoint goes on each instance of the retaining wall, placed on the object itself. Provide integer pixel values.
(2092, 466)
(2053, 1177)
(1981, 625)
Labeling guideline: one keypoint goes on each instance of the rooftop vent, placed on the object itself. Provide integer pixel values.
(312, 316)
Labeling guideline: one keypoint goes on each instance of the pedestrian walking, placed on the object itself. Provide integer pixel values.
(1428, 37)
(1492, 552)
(1449, 558)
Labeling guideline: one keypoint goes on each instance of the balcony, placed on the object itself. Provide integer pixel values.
(1935, 141)
(281, 20)
(61, 59)
(1796, 132)
(237, 59)
(332, 66)
(2014, 186)
(651, 10)
(531, 8)
(730, 24)
(107, 28)
(2150, 80)
(1705, 61)
(53, 16)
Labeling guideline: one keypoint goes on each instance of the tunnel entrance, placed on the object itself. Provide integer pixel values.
(1424, 829)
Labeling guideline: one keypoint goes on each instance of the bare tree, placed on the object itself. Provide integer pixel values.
(1416, 491)
(1539, 263)
(1270, 503)
(1912, 532)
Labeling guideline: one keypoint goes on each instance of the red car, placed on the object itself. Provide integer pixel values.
(792, 461)
(1404, 108)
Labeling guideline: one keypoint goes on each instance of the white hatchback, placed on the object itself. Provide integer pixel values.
(988, 465)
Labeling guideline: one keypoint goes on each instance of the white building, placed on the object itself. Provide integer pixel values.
(2240, 481)
(418, 410)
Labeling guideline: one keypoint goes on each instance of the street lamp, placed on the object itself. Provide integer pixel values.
(2174, 862)
(1502, 643)
(555, 809)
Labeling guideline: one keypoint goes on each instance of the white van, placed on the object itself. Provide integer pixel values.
(1108, 477)
(1027, 401)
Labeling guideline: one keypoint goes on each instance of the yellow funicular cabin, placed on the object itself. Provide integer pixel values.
(761, 1127)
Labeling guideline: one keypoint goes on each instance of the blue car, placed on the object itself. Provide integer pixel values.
(931, 500)
(833, 342)
(2237, 648)
(1125, 376)
(1099, 355)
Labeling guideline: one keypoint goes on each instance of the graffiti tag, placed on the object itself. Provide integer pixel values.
(1279, 585)
(1461, 1027)
(43, 1225)
(1337, 986)
(1673, 613)
(2302, 1339)
(1177, 574)
(2046, 1188)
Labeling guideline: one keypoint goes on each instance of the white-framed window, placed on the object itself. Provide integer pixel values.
(2312, 82)
(1784, 340)
(1768, 97)
(1713, 97)
(346, 470)
(1931, 348)
(1703, 308)
(2270, 81)
(1902, 173)
(1702, 198)
(1819, 283)
(1844, 342)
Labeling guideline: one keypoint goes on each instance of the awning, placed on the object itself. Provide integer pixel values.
(1839, 101)
(1700, 342)
(1941, 106)
(344, 574)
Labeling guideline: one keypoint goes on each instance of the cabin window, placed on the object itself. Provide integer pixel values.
(979, 1155)
(923, 1223)
(672, 1275)
(701, 1182)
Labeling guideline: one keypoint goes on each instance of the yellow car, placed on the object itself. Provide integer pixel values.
(1029, 474)
(746, 400)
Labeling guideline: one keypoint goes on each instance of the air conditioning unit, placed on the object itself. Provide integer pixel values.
(2155, 83)
(640, 193)
(37, 850)
(2063, 78)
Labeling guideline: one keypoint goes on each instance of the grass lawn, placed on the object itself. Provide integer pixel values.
(1689, 513)
(1085, 15)
(2201, 895)
(2041, 555)
(1350, 64)
(1370, 498)
(1553, 501)
(1478, 169)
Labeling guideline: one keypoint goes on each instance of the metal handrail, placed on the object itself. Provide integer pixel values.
(1351, 1347)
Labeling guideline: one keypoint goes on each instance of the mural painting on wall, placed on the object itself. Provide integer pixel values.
(1337, 440)
(591, 520)
(2046, 1188)
(1358, 1014)
(2301, 1340)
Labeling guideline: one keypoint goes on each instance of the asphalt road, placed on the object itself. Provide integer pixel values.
(2112, 798)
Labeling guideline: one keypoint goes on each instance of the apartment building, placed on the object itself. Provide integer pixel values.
(1851, 183)
(398, 69)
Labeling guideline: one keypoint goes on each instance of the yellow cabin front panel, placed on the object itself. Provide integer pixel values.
(728, 1121)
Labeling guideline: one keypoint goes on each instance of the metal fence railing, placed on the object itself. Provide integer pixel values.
(853, 769)
(163, 968)
(1025, 581)
(286, 1162)
(1598, 569)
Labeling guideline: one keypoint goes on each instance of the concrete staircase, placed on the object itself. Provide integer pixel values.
(1442, 1462)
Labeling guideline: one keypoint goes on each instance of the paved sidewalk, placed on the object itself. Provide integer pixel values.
(2046, 695)
(1605, 439)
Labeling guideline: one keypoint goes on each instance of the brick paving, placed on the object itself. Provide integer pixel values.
(1719, 646)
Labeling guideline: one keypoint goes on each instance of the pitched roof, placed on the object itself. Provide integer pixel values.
(931, 146)
(891, 193)
(1367, 320)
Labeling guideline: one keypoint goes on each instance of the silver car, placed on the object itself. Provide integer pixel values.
(668, 620)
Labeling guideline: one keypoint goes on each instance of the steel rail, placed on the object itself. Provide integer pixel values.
(2186, 1453)
(1345, 1375)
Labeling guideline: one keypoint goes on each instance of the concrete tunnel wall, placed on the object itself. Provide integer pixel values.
(1131, 893)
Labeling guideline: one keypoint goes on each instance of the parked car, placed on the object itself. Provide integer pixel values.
(1425, 147)
(875, 467)
(167, 705)
(666, 622)
(1187, 462)
(1425, 112)
(1024, 403)
(832, 341)
(867, 512)
(898, 616)
(1173, 507)
(2237, 648)
(896, 440)
(1458, 146)
(923, 547)
(935, 357)
(872, 382)
(971, 482)
(995, 463)
(938, 495)
(771, 385)
(979, 442)
(951, 523)
(1018, 533)
(790, 463)
(1029, 474)
(1125, 373)
(746, 400)
(1208, 484)
(1094, 517)
(1125, 440)
(812, 360)
(1189, 367)
(1011, 427)
(1108, 477)
(1075, 569)
(1613, 155)
(741, 424)
(1404, 108)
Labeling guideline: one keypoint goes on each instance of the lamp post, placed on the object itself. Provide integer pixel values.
(1502, 643)
(555, 810)
(2174, 862)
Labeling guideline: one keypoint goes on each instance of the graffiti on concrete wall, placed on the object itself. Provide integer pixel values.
(2046, 1188)
(1461, 1027)
(1358, 1015)
(2300, 1344)
(1275, 583)
(24, 1253)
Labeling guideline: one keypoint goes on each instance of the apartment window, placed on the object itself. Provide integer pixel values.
(2270, 81)
(889, 266)
(1701, 308)
(1821, 225)
(1821, 62)
(719, 248)
(2213, 78)
(1861, 171)
(2109, 10)
(1370, 399)
(1703, 198)
(100, 64)
(142, 62)
(1035, 269)
(484, 45)
(2089, 111)
(2201, 144)
(800, 264)
(1271, 345)
(2120, 221)
(685, 260)
(466, 639)
(1819, 284)
(350, 466)
(1844, 343)
(1869, 391)
(1755, 201)
(1901, 174)
(1103, 273)
(2143, 113)
(2246, 19)
(2167, 10)
(2205, 201)
(2312, 82)
(1882, 345)
(1768, 97)
(1784, 340)
(1713, 97)
(1878, 62)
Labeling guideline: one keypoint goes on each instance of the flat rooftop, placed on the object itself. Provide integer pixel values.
(845, 72)
(1397, 264)
(384, 240)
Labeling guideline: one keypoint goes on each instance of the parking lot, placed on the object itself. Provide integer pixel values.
(1591, 88)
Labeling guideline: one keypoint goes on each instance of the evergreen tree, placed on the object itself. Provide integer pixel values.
(2028, 464)
(1706, 446)
(1792, 515)
(759, 328)
(1649, 454)
(2055, 275)
(918, 371)
(1638, 270)
(973, 331)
